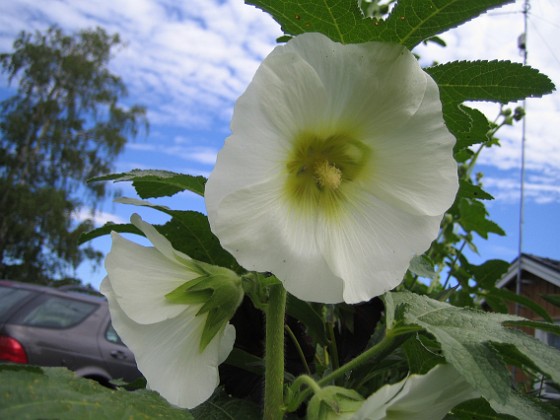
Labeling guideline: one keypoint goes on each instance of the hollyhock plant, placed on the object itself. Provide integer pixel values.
(165, 326)
(338, 170)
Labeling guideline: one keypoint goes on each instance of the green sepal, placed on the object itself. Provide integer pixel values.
(185, 294)
(219, 292)
(333, 402)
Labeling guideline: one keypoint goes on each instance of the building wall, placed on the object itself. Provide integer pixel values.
(534, 287)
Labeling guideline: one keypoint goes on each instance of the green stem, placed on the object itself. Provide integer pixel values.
(274, 354)
(298, 348)
(392, 339)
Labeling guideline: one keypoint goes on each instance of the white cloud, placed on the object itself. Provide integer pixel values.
(187, 62)
(99, 218)
(495, 36)
(200, 154)
(538, 188)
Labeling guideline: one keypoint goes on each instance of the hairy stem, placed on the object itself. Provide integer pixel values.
(274, 360)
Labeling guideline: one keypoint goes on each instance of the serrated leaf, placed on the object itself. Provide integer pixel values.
(468, 190)
(474, 218)
(410, 22)
(107, 228)
(40, 393)
(466, 335)
(489, 272)
(496, 81)
(422, 354)
(157, 183)
(468, 125)
(340, 20)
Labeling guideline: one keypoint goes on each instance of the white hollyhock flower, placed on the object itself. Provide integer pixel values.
(338, 170)
(165, 337)
(419, 397)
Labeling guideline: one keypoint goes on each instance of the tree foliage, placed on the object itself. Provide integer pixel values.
(63, 126)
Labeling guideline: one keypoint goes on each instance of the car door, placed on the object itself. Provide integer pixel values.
(60, 331)
(118, 358)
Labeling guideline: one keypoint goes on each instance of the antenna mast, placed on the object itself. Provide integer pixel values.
(522, 45)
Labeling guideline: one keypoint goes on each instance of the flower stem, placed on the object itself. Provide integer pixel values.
(373, 354)
(274, 354)
(390, 342)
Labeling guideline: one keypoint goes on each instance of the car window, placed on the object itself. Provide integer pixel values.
(57, 312)
(112, 336)
(10, 297)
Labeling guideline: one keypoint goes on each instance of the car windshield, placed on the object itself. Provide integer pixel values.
(9, 298)
(56, 312)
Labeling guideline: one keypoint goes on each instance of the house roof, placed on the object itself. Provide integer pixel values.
(545, 268)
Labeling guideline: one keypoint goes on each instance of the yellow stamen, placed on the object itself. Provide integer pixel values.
(327, 175)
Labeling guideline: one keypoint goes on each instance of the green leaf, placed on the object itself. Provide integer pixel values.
(466, 335)
(496, 81)
(473, 218)
(422, 266)
(40, 393)
(489, 272)
(544, 326)
(304, 312)
(156, 183)
(340, 20)
(522, 300)
(478, 409)
(246, 361)
(468, 190)
(553, 299)
(468, 125)
(422, 353)
(189, 232)
(107, 228)
(224, 407)
(410, 22)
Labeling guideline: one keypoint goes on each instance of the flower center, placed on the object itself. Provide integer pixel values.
(327, 175)
(319, 169)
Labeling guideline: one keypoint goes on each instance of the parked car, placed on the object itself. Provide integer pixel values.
(47, 326)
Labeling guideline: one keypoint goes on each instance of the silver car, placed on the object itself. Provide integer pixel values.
(47, 326)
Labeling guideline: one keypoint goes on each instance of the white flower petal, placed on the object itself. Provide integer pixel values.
(141, 277)
(411, 166)
(369, 85)
(160, 242)
(419, 397)
(371, 244)
(261, 149)
(291, 252)
(167, 352)
(325, 130)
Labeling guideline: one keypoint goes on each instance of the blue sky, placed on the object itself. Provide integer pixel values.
(188, 63)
